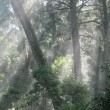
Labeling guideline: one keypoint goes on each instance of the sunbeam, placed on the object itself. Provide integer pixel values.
(54, 55)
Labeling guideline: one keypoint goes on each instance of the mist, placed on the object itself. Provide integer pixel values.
(54, 55)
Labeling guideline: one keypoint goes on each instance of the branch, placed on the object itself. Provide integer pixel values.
(89, 10)
(63, 8)
(64, 3)
(90, 21)
(93, 5)
(86, 52)
(83, 4)
(87, 36)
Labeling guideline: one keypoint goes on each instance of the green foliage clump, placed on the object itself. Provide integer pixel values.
(102, 100)
(106, 68)
(76, 91)
(68, 107)
(26, 101)
(29, 99)
(45, 77)
(73, 107)
(47, 80)
(62, 64)
(11, 91)
(75, 95)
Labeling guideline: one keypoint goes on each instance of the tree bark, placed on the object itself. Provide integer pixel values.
(32, 39)
(105, 28)
(75, 41)
(106, 40)
(97, 69)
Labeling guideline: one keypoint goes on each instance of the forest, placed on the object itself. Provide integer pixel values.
(54, 54)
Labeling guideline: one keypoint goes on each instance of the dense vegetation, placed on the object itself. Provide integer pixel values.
(55, 54)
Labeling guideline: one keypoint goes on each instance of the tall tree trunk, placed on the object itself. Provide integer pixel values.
(36, 50)
(97, 69)
(102, 56)
(106, 39)
(32, 39)
(75, 41)
(100, 77)
(105, 27)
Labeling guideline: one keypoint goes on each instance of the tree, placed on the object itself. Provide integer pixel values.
(106, 37)
(32, 39)
(75, 40)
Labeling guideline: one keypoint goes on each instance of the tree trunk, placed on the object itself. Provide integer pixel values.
(106, 40)
(32, 39)
(97, 69)
(105, 28)
(75, 41)
(36, 50)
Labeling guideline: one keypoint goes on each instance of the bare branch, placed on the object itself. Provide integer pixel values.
(86, 52)
(83, 4)
(87, 36)
(90, 21)
(64, 3)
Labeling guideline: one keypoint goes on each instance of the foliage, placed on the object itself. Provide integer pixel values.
(106, 69)
(77, 106)
(102, 100)
(12, 90)
(46, 79)
(62, 65)
(75, 95)
(44, 74)
(51, 22)
(68, 107)
(26, 101)
(76, 91)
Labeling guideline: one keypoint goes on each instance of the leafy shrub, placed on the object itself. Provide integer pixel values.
(62, 64)
(75, 106)
(75, 95)
(102, 100)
